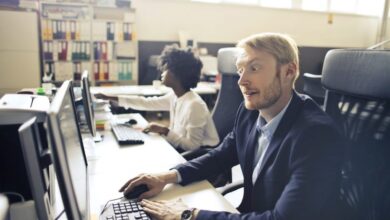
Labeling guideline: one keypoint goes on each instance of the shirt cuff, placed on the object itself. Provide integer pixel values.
(179, 179)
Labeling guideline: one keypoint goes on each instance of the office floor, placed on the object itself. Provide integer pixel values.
(234, 197)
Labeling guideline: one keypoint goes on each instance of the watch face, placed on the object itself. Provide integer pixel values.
(186, 215)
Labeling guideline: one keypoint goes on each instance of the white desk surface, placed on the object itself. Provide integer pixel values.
(203, 88)
(110, 166)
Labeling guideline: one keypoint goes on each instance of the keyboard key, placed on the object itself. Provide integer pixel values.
(125, 210)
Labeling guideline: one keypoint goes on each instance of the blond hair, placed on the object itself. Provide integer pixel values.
(281, 46)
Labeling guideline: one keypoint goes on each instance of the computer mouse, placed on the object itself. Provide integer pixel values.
(132, 122)
(136, 191)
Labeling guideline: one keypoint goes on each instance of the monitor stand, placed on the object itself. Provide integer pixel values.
(85, 130)
(98, 137)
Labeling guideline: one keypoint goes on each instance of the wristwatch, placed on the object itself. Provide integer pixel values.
(187, 214)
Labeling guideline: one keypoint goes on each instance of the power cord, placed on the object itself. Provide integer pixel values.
(59, 215)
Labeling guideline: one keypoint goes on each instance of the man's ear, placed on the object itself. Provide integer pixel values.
(292, 70)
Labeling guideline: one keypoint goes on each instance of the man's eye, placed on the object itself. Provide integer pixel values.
(240, 71)
(255, 68)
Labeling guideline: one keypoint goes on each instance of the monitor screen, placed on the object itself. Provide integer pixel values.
(35, 158)
(68, 153)
(87, 102)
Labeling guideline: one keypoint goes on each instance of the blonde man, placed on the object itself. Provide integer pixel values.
(289, 150)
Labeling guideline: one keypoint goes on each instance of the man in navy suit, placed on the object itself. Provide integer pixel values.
(289, 150)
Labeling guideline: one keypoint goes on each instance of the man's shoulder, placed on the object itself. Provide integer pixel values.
(313, 116)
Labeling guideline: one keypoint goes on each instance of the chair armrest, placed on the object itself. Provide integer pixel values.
(231, 187)
(311, 75)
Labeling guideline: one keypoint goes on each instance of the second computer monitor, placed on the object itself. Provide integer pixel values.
(87, 102)
(68, 153)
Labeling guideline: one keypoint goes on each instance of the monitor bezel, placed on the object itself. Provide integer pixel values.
(59, 155)
(32, 150)
(87, 103)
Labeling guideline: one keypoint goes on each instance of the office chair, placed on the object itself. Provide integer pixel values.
(312, 86)
(358, 98)
(152, 73)
(224, 112)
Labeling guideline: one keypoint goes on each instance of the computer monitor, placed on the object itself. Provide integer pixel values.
(68, 153)
(35, 158)
(87, 102)
(16, 109)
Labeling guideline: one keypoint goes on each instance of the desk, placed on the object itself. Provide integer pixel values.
(203, 88)
(110, 166)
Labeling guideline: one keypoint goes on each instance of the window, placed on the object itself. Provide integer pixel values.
(363, 7)
(276, 4)
(343, 6)
(247, 2)
(317, 5)
(208, 1)
(373, 7)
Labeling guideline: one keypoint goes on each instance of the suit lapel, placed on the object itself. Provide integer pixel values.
(250, 150)
(281, 131)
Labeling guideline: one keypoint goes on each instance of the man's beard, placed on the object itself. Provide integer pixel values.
(267, 97)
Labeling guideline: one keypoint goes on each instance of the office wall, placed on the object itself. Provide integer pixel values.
(160, 20)
(19, 51)
(219, 25)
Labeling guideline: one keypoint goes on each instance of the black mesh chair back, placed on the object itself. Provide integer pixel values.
(312, 86)
(358, 98)
(230, 96)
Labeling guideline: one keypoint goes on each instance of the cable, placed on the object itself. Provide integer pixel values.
(15, 194)
(59, 215)
(105, 206)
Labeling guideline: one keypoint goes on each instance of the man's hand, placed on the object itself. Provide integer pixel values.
(157, 128)
(155, 183)
(165, 210)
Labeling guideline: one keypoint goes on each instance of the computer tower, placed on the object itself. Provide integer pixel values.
(15, 109)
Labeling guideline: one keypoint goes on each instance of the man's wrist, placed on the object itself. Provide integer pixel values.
(195, 213)
(170, 177)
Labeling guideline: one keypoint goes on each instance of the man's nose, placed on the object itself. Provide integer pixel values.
(243, 79)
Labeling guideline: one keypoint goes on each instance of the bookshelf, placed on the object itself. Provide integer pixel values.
(84, 36)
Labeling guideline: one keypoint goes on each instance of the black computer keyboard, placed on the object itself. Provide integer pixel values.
(125, 210)
(126, 135)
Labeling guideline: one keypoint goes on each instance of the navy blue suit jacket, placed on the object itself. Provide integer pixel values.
(300, 174)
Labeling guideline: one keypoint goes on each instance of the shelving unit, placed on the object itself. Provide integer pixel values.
(83, 36)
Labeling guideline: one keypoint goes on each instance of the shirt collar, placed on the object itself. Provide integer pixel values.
(183, 97)
(268, 129)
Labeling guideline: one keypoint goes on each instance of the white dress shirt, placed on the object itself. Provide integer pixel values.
(266, 131)
(191, 125)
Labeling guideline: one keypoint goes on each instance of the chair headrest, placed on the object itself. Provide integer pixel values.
(153, 60)
(227, 60)
(358, 72)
